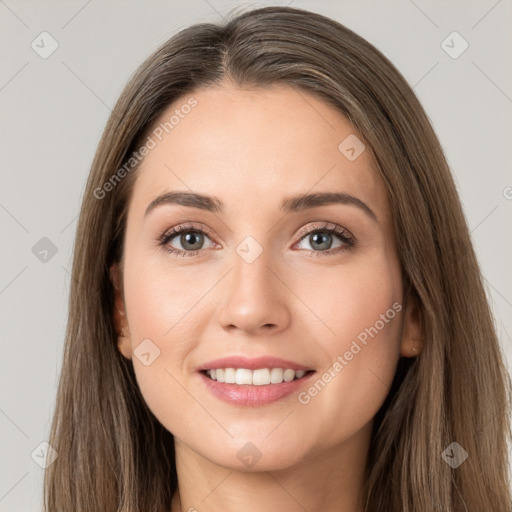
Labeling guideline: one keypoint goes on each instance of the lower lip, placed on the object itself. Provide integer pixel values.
(253, 396)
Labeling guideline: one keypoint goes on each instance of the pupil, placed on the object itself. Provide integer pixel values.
(188, 239)
(325, 239)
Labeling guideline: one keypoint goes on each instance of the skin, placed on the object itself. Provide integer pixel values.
(252, 150)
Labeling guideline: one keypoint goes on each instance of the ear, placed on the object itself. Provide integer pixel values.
(412, 334)
(120, 320)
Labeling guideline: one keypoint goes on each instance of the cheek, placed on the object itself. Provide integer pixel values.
(342, 301)
(362, 312)
(162, 309)
(160, 301)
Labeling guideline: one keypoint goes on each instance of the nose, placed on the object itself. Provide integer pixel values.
(255, 297)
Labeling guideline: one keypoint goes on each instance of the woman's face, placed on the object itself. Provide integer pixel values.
(258, 274)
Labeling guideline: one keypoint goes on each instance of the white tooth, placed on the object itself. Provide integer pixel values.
(276, 375)
(288, 375)
(261, 377)
(243, 376)
(229, 375)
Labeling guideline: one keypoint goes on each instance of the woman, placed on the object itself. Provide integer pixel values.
(277, 305)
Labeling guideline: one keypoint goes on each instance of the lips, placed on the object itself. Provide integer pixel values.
(252, 363)
(258, 393)
(253, 396)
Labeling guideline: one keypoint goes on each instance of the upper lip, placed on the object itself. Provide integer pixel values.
(251, 363)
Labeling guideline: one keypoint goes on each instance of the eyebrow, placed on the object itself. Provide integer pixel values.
(290, 205)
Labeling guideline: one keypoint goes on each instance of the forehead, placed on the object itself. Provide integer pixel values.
(253, 147)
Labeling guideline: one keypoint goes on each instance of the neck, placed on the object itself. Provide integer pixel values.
(331, 480)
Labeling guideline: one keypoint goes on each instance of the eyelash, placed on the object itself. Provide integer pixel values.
(348, 240)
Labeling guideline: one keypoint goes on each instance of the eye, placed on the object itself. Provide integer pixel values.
(321, 239)
(189, 237)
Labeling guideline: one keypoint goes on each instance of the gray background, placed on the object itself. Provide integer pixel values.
(54, 110)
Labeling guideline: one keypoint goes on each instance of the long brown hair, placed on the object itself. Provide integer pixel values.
(114, 455)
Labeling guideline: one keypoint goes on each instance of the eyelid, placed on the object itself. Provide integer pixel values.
(324, 225)
(187, 226)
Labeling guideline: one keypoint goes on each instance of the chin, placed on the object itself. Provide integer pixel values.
(256, 456)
